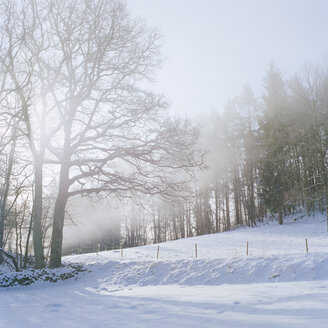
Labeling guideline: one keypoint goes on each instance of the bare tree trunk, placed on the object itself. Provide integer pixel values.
(4, 198)
(59, 216)
(220, 217)
(236, 192)
(237, 202)
(224, 221)
(37, 217)
(28, 241)
(216, 199)
(159, 239)
(21, 237)
(280, 219)
(182, 221)
(228, 210)
(252, 201)
(188, 220)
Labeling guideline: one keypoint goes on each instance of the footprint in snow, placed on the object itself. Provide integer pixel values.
(55, 305)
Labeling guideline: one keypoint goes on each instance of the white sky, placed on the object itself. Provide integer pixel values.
(213, 47)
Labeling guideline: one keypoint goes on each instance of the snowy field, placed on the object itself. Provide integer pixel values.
(277, 285)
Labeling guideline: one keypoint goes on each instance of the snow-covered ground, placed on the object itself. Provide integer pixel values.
(277, 285)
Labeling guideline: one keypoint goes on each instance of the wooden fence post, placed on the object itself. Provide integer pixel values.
(121, 251)
(247, 248)
(196, 250)
(157, 251)
(306, 245)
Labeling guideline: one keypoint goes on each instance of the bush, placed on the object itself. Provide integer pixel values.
(28, 277)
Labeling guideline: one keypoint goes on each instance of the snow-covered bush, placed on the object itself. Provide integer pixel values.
(28, 277)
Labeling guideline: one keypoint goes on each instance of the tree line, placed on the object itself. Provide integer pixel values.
(266, 156)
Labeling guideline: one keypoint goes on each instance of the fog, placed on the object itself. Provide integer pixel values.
(92, 221)
(213, 47)
(136, 122)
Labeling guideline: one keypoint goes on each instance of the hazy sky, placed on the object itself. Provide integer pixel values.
(213, 47)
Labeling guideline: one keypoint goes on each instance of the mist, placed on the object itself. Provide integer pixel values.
(92, 223)
(163, 163)
(127, 123)
(213, 47)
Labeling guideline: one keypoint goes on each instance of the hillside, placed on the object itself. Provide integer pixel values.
(277, 285)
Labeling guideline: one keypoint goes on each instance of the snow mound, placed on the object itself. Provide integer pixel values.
(276, 253)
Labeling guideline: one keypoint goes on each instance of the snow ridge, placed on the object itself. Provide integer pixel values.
(277, 254)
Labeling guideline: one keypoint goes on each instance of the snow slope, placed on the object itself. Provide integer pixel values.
(277, 285)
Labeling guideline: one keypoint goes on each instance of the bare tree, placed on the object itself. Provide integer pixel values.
(24, 44)
(115, 137)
